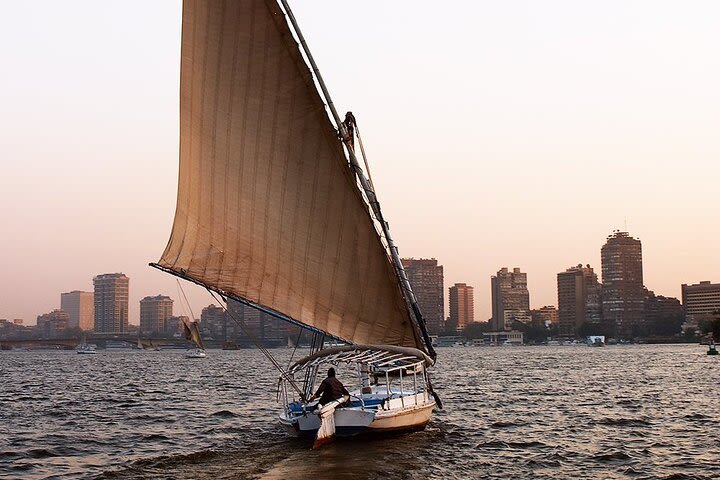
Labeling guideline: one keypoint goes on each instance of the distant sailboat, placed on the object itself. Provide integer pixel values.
(192, 333)
(275, 212)
(196, 353)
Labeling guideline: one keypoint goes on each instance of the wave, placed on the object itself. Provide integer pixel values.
(492, 445)
(502, 424)
(155, 436)
(611, 457)
(623, 422)
(9, 454)
(41, 453)
(531, 444)
(141, 468)
(543, 463)
(224, 414)
(682, 476)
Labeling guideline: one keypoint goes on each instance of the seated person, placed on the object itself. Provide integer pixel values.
(330, 389)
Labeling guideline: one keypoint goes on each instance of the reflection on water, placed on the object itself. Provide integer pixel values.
(543, 412)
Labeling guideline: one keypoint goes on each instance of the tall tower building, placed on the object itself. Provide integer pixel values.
(510, 299)
(426, 279)
(111, 303)
(578, 299)
(623, 295)
(462, 306)
(80, 307)
(155, 313)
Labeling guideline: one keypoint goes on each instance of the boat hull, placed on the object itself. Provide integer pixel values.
(410, 418)
(352, 421)
(348, 422)
(195, 354)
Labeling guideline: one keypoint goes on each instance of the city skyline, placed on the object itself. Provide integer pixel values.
(554, 129)
(182, 292)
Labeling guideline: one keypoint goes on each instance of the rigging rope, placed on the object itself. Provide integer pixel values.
(180, 289)
(310, 373)
(297, 342)
(283, 373)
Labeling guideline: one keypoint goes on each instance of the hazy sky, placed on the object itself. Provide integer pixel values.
(513, 133)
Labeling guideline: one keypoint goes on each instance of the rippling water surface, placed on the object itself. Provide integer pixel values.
(541, 412)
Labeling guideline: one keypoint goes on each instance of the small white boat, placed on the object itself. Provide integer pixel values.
(392, 393)
(196, 353)
(85, 349)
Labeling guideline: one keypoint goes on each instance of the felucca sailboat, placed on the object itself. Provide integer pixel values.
(274, 211)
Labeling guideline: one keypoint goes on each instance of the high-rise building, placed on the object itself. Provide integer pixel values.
(544, 316)
(623, 297)
(214, 323)
(80, 306)
(111, 303)
(426, 280)
(700, 300)
(510, 299)
(579, 300)
(50, 324)
(155, 313)
(462, 306)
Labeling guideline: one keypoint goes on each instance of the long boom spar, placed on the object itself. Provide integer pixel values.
(367, 187)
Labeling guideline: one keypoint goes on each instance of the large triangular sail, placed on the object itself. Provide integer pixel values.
(268, 210)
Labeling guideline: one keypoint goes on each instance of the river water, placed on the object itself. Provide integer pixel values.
(633, 412)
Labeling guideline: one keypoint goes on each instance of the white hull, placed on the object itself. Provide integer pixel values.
(405, 412)
(409, 418)
(196, 354)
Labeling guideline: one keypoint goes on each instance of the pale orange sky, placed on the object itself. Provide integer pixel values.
(514, 134)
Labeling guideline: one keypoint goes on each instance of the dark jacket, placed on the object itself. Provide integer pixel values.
(331, 389)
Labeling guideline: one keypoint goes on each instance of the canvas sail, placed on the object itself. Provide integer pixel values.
(192, 332)
(268, 209)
